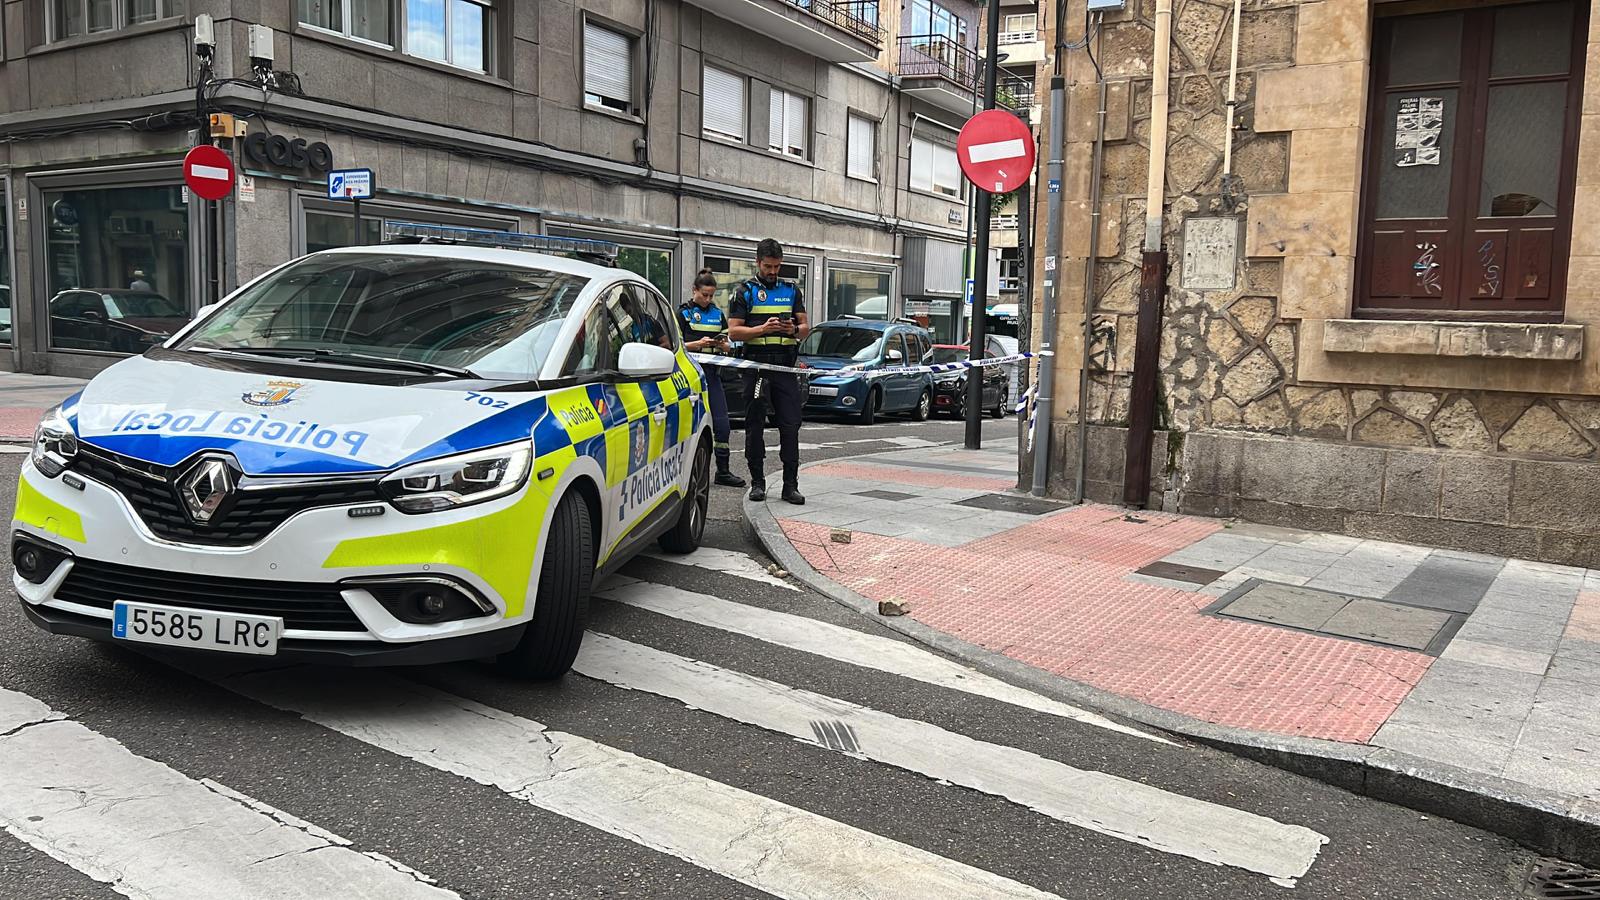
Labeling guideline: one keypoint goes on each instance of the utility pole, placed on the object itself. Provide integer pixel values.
(980, 274)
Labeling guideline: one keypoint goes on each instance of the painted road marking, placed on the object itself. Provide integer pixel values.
(780, 849)
(149, 831)
(846, 645)
(1124, 809)
(1007, 149)
(728, 562)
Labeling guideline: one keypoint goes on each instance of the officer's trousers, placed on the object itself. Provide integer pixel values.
(717, 399)
(782, 390)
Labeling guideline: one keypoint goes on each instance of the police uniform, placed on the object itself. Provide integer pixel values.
(697, 323)
(755, 303)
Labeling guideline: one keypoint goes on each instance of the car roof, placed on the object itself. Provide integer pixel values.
(523, 259)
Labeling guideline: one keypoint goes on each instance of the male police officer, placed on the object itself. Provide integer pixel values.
(769, 316)
(705, 330)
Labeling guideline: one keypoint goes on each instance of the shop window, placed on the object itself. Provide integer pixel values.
(74, 18)
(367, 20)
(934, 168)
(1468, 201)
(731, 272)
(607, 68)
(789, 124)
(722, 104)
(862, 152)
(651, 264)
(454, 32)
(117, 267)
(853, 292)
(325, 231)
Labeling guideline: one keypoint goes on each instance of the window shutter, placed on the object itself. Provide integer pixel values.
(947, 171)
(862, 152)
(921, 165)
(607, 63)
(775, 121)
(795, 124)
(722, 105)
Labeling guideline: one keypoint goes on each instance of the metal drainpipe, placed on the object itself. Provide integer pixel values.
(1089, 293)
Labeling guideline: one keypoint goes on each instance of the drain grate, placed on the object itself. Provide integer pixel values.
(1181, 572)
(1557, 879)
(885, 495)
(1031, 506)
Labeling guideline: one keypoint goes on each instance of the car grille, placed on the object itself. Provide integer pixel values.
(316, 607)
(253, 514)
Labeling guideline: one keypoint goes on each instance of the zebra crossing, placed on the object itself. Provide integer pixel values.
(510, 771)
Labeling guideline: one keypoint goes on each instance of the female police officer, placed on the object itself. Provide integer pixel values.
(705, 330)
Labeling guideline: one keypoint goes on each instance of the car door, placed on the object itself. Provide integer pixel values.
(905, 389)
(994, 377)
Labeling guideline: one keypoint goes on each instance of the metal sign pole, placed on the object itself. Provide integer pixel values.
(980, 272)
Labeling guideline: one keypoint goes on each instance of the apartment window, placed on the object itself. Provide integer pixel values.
(454, 32)
(607, 68)
(934, 168)
(788, 122)
(1020, 24)
(366, 20)
(723, 103)
(862, 148)
(931, 18)
(1471, 162)
(73, 18)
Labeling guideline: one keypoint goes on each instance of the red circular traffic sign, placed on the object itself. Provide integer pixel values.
(995, 150)
(208, 172)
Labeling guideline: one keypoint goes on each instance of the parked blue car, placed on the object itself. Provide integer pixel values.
(867, 344)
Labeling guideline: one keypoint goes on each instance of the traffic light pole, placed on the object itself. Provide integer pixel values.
(980, 271)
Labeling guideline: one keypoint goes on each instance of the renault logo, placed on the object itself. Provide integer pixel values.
(205, 488)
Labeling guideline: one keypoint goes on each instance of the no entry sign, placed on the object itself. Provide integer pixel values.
(208, 172)
(995, 150)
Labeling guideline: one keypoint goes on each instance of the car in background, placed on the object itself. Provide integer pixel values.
(950, 388)
(118, 320)
(5, 314)
(862, 345)
(1010, 346)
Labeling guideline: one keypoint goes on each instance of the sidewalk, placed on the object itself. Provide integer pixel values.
(23, 398)
(1467, 675)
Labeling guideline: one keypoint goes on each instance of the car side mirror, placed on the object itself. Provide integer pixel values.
(894, 356)
(646, 361)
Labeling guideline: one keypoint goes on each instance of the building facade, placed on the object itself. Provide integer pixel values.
(1383, 319)
(684, 130)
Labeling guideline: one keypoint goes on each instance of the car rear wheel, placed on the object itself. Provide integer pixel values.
(561, 606)
(869, 408)
(691, 525)
(999, 409)
(924, 404)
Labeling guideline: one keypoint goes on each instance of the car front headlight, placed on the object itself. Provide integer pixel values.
(459, 480)
(54, 443)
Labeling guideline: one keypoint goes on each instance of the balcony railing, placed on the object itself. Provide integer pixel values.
(859, 17)
(1018, 37)
(1002, 223)
(1013, 93)
(938, 56)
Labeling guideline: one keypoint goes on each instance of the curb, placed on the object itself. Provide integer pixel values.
(1543, 821)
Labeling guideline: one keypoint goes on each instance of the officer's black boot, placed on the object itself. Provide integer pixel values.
(791, 494)
(758, 484)
(725, 477)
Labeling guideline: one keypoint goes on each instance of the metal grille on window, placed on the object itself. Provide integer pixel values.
(863, 149)
(607, 68)
(723, 106)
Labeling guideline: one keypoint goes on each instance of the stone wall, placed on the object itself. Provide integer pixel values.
(1280, 410)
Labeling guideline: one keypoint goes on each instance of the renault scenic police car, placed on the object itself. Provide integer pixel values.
(407, 453)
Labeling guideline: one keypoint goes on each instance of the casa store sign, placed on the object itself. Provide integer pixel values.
(293, 154)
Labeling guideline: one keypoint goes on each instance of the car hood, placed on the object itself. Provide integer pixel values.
(828, 363)
(163, 411)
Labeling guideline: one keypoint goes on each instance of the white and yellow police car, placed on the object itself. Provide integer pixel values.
(407, 453)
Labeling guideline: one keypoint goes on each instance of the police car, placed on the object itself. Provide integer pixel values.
(409, 453)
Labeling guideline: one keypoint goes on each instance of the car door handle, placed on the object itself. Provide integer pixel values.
(659, 413)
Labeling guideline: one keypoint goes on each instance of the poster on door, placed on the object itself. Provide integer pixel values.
(1418, 128)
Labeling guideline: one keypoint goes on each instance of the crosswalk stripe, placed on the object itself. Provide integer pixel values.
(152, 832)
(728, 562)
(780, 849)
(1107, 804)
(846, 645)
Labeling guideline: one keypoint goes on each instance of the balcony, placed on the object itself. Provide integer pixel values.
(832, 30)
(1021, 47)
(1003, 222)
(940, 71)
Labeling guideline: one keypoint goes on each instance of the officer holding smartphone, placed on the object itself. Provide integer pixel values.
(705, 330)
(768, 315)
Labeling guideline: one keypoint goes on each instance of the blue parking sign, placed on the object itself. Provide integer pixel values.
(350, 184)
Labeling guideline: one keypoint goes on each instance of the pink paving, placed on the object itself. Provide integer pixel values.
(1053, 594)
(18, 422)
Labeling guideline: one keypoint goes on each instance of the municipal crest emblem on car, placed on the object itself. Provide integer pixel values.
(276, 393)
(641, 445)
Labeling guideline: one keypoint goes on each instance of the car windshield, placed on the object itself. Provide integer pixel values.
(498, 321)
(143, 306)
(949, 354)
(854, 344)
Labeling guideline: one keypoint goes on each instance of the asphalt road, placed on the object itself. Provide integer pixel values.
(714, 746)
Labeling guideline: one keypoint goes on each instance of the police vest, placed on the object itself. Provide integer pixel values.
(700, 323)
(769, 303)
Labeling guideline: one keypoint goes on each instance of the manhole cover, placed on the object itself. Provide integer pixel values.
(885, 495)
(1031, 506)
(1554, 878)
(1339, 615)
(1180, 572)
